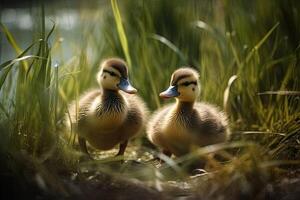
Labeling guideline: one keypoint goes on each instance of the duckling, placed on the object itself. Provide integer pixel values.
(112, 114)
(179, 127)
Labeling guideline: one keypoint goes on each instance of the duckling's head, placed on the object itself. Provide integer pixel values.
(113, 75)
(184, 85)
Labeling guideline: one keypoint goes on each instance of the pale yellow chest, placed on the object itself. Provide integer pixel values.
(178, 137)
(106, 121)
(178, 132)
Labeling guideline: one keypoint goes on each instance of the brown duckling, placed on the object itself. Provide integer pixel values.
(179, 127)
(112, 114)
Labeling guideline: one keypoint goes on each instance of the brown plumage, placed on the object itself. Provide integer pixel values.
(112, 114)
(179, 127)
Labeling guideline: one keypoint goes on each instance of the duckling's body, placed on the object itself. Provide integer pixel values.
(108, 116)
(179, 127)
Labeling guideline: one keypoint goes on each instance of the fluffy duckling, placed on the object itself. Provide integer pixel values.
(112, 114)
(177, 128)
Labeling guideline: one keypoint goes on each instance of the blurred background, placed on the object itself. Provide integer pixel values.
(247, 54)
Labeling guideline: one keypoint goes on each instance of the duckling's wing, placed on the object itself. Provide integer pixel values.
(78, 112)
(208, 120)
(136, 104)
(156, 123)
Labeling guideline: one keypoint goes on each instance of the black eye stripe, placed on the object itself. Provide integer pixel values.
(189, 83)
(110, 72)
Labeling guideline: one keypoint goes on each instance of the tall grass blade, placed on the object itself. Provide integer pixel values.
(6, 69)
(10, 39)
(13, 43)
(169, 44)
(121, 31)
(227, 91)
(261, 42)
(51, 31)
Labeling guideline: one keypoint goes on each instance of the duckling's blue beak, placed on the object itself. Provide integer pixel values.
(126, 86)
(170, 92)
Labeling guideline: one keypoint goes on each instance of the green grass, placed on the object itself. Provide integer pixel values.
(247, 54)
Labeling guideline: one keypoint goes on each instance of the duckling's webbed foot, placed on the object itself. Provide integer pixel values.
(83, 147)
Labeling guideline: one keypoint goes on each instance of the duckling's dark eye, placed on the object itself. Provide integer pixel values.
(113, 74)
(186, 83)
(110, 72)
